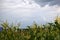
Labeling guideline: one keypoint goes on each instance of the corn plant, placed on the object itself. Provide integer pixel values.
(50, 31)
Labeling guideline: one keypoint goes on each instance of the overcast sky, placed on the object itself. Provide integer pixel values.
(27, 11)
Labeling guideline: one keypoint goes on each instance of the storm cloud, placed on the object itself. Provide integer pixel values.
(48, 2)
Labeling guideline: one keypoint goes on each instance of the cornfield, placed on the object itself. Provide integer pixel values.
(50, 31)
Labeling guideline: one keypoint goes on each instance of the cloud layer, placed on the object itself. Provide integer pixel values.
(49, 2)
(18, 3)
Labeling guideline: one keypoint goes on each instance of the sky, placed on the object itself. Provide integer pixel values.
(28, 11)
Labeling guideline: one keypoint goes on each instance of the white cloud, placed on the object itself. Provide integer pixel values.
(18, 3)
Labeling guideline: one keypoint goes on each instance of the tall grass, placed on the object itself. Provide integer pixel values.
(51, 31)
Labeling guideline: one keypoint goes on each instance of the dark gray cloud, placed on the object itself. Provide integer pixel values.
(50, 2)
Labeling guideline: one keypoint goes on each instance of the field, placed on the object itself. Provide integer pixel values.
(50, 31)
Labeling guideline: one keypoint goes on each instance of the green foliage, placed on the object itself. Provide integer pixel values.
(51, 31)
